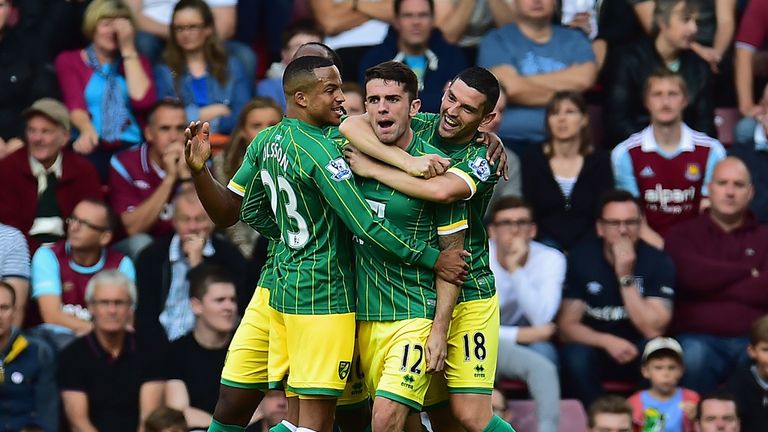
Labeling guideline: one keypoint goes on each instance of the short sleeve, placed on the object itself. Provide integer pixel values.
(46, 277)
(246, 173)
(451, 218)
(490, 49)
(621, 162)
(662, 282)
(716, 154)
(127, 268)
(476, 171)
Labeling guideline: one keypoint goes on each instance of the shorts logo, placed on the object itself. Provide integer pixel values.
(339, 170)
(344, 367)
(693, 172)
(408, 381)
(479, 371)
(480, 168)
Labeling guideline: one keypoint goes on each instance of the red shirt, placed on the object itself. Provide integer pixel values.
(132, 180)
(753, 29)
(722, 278)
(18, 193)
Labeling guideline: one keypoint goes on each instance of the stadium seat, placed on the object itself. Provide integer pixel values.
(725, 122)
(218, 143)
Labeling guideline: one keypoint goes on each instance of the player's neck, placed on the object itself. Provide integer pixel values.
(85, 257)
(297, 113)
(668, 136)
(405, 139)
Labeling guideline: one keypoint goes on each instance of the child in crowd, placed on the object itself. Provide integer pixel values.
(664, 407)
(749, 384)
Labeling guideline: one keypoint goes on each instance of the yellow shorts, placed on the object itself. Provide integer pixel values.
(246, 362)
(473, 347)
(393, 359)
(355, 392)
(314, 352)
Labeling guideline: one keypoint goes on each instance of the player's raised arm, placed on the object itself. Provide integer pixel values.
(357, 129)
(335, 181)
(222, 205)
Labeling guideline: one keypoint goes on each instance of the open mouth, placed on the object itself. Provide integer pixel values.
(450, 123)
(339, 110)
(385, 124)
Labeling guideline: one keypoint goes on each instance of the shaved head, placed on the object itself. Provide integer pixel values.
(732, 163)
(300, 74)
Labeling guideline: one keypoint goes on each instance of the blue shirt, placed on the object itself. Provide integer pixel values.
(671, 410)
(508, 46)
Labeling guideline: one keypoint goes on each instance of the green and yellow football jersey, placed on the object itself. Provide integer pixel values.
(313, 195)
(470, 164)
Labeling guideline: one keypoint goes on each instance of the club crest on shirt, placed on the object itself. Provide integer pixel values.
(344, 367)
(594, 287)
(480, 168)
(693, 172)
(67, 286)
(339, 170)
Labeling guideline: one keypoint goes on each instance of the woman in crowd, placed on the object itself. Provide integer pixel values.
(211, 83)
(106, 86)
(256, 115)
(563, 180)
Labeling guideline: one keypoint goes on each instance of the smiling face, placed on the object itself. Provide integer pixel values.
(389, 109)
(324, 100)
(461, 112)
(45, 139)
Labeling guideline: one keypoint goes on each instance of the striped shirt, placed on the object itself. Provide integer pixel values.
(14, 253)
(470, 165)
(302, 175)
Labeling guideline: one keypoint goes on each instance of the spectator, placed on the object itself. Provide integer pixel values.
(753, 154)
(195, 360)
(294, 36)
(414, 40)
(721, 259)
(107, 87)
(529, 279)
(464, 22)
(142, 181)
(44, 182)
(28, 385)
(664, 405)
(23, 79)
(610, 413)
(211, 84)
(161, 270)
(717, 413)
(618, 293)
(670, 49)
(14, 268)
(749, 384)
(352, 27)
(533, 59)
(750, 39)
(105, 374)
(564, 179)
(60, 273)
(271, 411)
(353, 98)
(512, 185)
(256, 115)
(715, 21)
(154, 18)
(667, 165)
(166, 419)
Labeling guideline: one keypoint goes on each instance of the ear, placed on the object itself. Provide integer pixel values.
(644, 372)
(534, 231)
(105, 238)
(301, 99)
(197, 306)
(491, 231)
(751, 351)
(487, 119)
(599, 229)
(415, 107)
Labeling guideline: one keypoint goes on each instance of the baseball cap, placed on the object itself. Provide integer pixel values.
(50, 108)
(662, 343)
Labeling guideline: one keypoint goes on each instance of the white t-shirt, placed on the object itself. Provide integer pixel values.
(162, 10)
